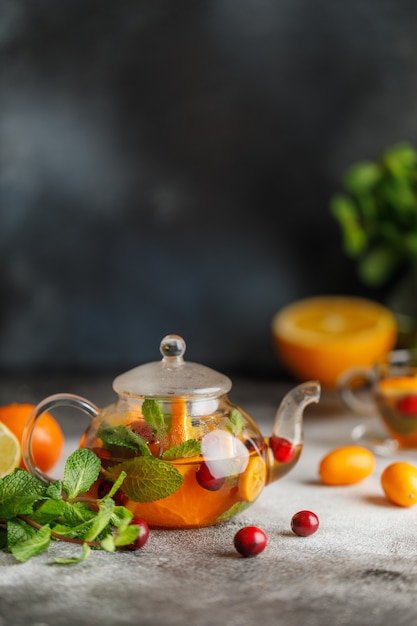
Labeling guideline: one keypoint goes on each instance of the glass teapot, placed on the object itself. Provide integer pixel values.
(192, 458)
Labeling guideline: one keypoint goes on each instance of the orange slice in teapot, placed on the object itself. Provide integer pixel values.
(252, 481)
(181, 428)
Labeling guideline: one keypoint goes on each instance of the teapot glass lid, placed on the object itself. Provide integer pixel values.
(172, 376)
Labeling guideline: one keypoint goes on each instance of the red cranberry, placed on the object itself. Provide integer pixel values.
(141, 428)
(408, 405)
(206, 479)
(304, 523)
(250, 541)
(282, 449)
(102, 453)
(142, 538)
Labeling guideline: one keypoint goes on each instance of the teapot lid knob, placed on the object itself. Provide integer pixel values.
(172, 347)
(172, 376)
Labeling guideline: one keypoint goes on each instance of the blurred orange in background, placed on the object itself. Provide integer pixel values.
(320, 337)
(47, 440)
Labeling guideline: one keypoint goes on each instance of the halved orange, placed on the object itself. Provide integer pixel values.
(10, 451)
(321, 337)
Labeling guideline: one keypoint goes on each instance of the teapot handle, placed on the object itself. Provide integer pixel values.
(46, 405)
(347, 385)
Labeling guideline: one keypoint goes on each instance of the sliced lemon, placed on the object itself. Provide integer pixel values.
(253, 479)
(319, 338)
(10, 451)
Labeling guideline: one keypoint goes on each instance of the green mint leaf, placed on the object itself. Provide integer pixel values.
(191, 447)
(18, 531)
(153, 415)
(81, 470)
(54, 490)
(101, 519)
(68, 561)
(71, 532)
(236, 508)
(80, 522)
(108, 543)
(74, 532)
(48, 511)
(18, 492)
(126, 535)
(116, 485)
(235, 422)
(147, 478)
(121, 517)
(37, 544)
(123, 437)
(76, 513)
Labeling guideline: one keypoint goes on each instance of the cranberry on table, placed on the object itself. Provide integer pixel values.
(206, 479)
(304, 523)
(143, 536)
(250, 541)
(282, 449)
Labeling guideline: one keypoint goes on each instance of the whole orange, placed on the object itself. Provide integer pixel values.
(399, 482)
(346, 465)
(47, 439)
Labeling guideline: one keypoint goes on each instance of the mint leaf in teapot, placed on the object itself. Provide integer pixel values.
(147, 478)
(235, 422)
(191, 447)
(153, 415)
(81, 470)
(123, 437)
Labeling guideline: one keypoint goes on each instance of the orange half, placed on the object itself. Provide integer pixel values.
(321, 337)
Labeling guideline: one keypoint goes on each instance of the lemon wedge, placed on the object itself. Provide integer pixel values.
(10, 451)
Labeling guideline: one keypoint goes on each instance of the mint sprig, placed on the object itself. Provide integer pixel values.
(33, 514)
(147, 478)
(123, 437)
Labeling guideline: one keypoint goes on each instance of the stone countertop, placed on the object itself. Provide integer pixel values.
(358, 569)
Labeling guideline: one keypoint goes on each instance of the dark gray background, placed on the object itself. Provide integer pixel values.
(167, 167)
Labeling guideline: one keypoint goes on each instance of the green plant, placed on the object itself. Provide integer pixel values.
(377, 214)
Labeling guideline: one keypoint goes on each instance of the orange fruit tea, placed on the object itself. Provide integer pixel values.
(186, 473)
(396, 399)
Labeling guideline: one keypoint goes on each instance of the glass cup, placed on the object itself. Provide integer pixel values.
(389, 391)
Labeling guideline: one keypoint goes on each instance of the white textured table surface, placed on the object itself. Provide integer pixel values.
(360, 568)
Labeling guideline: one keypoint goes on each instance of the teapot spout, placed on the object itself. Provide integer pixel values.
(286, 442)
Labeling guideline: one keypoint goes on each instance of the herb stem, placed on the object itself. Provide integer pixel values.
(58, 535)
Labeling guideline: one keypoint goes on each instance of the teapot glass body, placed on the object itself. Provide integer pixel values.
(190, 457)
